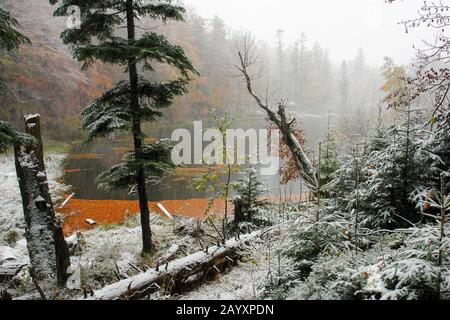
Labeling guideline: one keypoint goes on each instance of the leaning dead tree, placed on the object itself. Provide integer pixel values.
(248, 59)
(47, 248)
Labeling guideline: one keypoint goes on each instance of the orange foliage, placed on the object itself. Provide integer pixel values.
(289, 170)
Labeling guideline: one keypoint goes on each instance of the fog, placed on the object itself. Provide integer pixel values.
(340, 26)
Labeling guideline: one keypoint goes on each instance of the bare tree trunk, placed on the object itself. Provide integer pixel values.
(357, 200)
(48, 250)
(227, 193)
(33, 127)
(138, 138)
(38, 217)
(238, 211)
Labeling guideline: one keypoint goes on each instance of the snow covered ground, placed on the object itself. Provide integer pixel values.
(12, 224)
(11, 213)
(240, 283)
(103, 253)
(13, 246)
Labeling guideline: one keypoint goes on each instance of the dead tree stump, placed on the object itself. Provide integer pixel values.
(48, 250)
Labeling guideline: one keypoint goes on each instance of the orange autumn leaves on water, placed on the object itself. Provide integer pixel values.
(80, 156)
(105, 212)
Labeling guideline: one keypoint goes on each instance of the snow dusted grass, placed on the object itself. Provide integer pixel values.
(120, 244)
(240, 283)
(13, 246)
(101, 249)
(142, 281)
(111, 249)
(12, 222)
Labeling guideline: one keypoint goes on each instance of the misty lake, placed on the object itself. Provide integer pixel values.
(85, 163)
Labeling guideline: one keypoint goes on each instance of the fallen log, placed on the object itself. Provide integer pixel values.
(179, 275)
(9, 270)
(170, 254)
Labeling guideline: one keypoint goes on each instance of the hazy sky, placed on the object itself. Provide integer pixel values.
(342, 26)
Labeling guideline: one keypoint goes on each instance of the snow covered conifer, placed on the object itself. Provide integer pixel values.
(394, 173)
(249, 200)
(10, 38)
(436, 151)
(329, 161)
(422, 268)
(10, 136)
(137, 100)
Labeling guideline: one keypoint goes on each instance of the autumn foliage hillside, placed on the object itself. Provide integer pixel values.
(44, 78)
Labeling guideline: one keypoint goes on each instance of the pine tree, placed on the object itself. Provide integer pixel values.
(350, 174)
(303, 55)
(394, 173)
(436, 151)
(130, 103)
(421, 268)
(10, 39)
(250, 196)
(329, 161)
(218, 31)
(295, 71)
(325, 77)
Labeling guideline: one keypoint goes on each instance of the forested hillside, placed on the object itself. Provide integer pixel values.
(43, 78)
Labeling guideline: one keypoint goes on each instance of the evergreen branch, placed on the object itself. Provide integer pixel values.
(10, 136)
(150, 47)
(112, 113)
(163, 11)
(10, 38)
